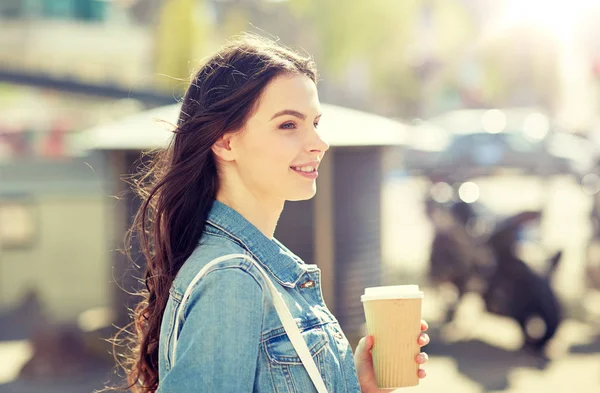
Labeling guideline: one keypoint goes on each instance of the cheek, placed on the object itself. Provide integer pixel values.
(276, 155)
(276, 161)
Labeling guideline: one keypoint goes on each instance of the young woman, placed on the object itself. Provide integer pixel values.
(246, 142)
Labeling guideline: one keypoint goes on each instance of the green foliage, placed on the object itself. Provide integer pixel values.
(182, 37)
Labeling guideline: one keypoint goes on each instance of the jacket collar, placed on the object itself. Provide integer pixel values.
(272, 255)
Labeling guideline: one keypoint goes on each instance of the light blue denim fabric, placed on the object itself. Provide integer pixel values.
(230, 336)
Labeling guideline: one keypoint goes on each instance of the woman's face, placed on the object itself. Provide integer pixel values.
(276, 156)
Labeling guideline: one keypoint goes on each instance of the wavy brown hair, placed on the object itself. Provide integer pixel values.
(177, 188)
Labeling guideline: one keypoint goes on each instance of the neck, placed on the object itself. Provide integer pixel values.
(261, 214)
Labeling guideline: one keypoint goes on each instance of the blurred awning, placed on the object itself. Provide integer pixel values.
(151, 129)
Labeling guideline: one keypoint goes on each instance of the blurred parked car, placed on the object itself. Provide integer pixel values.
(484, 154)
(464, 144)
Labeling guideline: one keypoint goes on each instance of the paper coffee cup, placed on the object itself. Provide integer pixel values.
(393, 315)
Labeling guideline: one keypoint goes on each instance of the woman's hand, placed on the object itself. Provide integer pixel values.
(363, 360)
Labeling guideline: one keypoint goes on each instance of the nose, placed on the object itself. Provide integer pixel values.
(318, 144)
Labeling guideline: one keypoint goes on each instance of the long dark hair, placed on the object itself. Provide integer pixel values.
(179, 185)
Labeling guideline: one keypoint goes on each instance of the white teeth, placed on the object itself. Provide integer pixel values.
(304, 168)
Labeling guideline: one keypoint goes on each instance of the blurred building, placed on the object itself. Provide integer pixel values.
(90, 41)
(64, 65)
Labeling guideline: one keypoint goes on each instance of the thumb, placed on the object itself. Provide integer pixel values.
(363, 349)
(363, 361)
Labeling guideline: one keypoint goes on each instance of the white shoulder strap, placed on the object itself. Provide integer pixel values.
(282, 310)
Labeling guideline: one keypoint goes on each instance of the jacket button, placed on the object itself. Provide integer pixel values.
(308, 284)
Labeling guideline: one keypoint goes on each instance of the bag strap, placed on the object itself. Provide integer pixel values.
(284, 313)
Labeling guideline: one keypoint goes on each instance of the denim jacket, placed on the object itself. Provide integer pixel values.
(230, 336)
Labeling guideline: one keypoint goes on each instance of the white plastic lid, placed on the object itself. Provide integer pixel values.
(392, 292)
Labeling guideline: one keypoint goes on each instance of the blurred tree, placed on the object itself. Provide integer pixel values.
(182, 37)
(338, 28)
(235, 21)
(404, 42)
(144, 12)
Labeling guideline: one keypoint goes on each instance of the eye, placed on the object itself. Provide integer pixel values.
(288, 126)
(316, 124)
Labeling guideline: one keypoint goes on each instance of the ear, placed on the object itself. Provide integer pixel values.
(223, 149)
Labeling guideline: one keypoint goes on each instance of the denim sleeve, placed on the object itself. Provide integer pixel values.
(218, 344)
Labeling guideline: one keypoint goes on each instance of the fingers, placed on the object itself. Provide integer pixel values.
(422, 358)
(365, 344)
(424, 326)
(423, 339)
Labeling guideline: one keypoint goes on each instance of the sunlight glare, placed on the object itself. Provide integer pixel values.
(557, 16)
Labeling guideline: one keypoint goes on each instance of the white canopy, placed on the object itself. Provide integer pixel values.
(150, 129)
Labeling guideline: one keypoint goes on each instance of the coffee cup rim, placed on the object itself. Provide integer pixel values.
(392, 292)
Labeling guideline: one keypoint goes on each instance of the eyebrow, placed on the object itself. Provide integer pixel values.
(291, 112)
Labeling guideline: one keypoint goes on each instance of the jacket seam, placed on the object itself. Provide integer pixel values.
(271, 372)
(167, 353)
(280, 331)
(294, 360)
(175, 294)
(227, 237)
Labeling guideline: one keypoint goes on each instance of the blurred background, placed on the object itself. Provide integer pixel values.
(465, 158)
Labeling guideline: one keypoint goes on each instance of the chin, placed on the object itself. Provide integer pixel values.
(303, 196)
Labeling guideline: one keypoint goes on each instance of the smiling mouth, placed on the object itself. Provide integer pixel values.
(304, 169)
(306, 172)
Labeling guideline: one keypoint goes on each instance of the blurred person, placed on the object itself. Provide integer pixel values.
(246, 142)
(515, 290)
(458, 260)
(491, 266)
